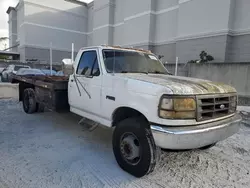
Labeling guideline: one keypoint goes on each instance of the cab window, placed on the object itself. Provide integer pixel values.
(88, 64)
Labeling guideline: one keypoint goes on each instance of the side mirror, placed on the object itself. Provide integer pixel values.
(68, 67)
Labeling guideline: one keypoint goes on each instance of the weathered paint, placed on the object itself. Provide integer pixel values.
(184, 85)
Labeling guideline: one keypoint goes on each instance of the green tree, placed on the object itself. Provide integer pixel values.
(4, 40)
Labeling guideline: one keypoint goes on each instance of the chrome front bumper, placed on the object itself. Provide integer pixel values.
(191, 137)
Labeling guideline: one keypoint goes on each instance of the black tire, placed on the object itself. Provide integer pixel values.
(2, 78)
(7, 78)
(147, 149)
(207, 147)
(29, 101)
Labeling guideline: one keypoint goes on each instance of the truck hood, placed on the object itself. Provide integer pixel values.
(184, 85)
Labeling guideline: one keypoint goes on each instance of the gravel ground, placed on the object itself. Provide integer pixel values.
(51, 150)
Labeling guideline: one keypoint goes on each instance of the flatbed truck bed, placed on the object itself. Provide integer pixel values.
(50, 91)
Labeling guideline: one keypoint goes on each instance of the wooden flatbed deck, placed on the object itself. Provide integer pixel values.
(51, 91)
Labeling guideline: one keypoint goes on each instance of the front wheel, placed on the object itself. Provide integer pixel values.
(134, 147)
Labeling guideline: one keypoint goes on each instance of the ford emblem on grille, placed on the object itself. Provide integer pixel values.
(222, 106)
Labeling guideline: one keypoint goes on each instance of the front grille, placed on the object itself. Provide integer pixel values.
(215, 106)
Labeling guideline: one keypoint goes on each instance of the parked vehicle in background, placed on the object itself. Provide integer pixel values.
(48, 72)
(29, 72)
(131, 91)
(60, 73)
(8, 72)
(1, 70)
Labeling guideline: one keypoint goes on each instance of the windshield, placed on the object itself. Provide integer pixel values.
(121, 61)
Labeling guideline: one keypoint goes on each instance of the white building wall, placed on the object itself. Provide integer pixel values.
(90, 18)
(242, 16)
(119, 22)
(136, 8)
(199, 17)
(20, 20)
(61, 5)
(103, 22)
(42, 22)
(133, 20)
(239, 40)
(136, 30)
(166, 24)
(55, 24)
(163, 4)
(90, 24)
(13, 30)
(50, 17)
(171, 28)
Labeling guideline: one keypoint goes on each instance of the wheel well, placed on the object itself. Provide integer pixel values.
(22, 87)
(124, 113)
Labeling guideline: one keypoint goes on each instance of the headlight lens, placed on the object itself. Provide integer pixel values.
(186, 104)
(177, 108)
(167, 104)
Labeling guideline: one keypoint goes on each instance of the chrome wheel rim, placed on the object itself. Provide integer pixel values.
(130, 148)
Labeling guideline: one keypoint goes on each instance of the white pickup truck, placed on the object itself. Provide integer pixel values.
(131, 91)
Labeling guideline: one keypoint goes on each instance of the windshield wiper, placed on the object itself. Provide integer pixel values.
(134, 72)
(158, 72)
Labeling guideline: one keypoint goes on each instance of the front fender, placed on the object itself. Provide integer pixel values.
(146, 104)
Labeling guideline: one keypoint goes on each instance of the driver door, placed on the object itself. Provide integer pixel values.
(85, 85)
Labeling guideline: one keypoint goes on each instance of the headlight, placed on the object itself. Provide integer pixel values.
(177, 108)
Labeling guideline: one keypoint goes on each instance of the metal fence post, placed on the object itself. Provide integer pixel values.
(51, 58)
(176, 66)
